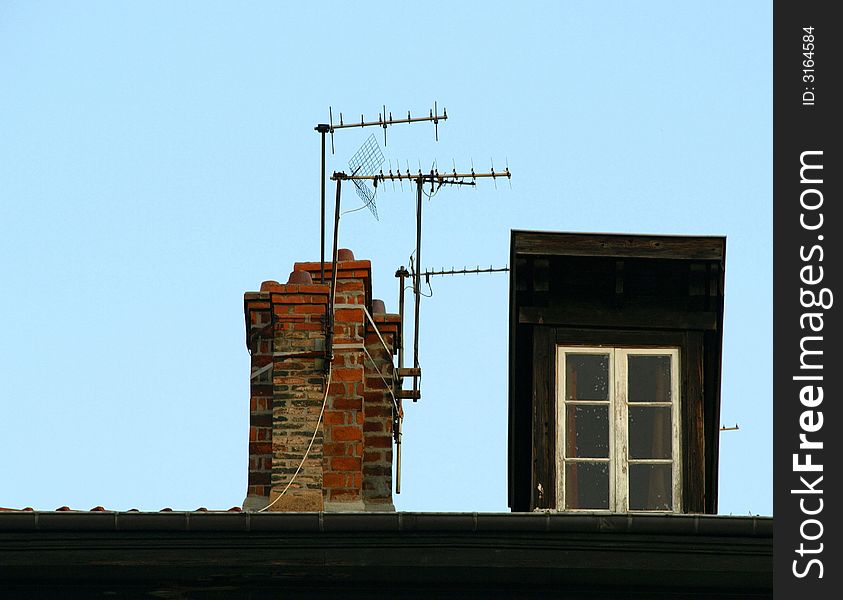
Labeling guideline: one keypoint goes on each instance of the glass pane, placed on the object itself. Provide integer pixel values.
(587, 377)
(587, 485)
(587, 431)
(649, 378)
(650, 487)
(650, 432)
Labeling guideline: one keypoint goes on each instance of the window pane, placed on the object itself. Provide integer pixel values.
(650, 432)
(649, 378)
(587, 485)
(587, 431)
(587, 377)
(650, 487)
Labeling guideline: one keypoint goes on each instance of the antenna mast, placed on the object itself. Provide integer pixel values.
(383, 122)
(436, 181)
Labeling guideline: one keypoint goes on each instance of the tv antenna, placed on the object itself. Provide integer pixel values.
(384, 121)
(366, 161)
(436, 180)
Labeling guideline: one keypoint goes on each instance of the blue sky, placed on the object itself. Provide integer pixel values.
(158, 159)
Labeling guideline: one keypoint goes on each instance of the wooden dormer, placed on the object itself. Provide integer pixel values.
(614, 387)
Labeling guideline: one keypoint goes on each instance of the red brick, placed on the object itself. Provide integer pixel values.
(345, 463)
(260, 448)
(289, 299)
(335, 417)
(344, 265)
(348, 403)
(334, 449)
(377, 470)
(282, 319)
(373, 426)
(346, 433)
(333, 480)
(379, 442)
(349, 315)
(375, 383)
(318, 288)
(378, 410)
(342, 374)
(373, 456)
(309, 309)
(350, 286)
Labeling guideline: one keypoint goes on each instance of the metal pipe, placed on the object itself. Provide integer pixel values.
(398, 458)
(401, 274)
(322, 237)
(417, 280)
(329, 346)
(398, 418)
(322, 128)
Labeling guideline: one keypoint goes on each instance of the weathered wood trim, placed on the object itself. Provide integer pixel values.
(544, 421)
(607, 244)
(651, 318)
(693, 430)
(512, 390)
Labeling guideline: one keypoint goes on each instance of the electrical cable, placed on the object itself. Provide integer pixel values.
(354, 209)
(309, 446)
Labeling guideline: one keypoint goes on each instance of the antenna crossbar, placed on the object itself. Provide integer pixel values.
(384, 122)
(435, 176)
(465, 271)
(390, 121)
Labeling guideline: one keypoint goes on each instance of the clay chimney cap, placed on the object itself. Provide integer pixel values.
(300, 277)
(378, 307)
(344, 255)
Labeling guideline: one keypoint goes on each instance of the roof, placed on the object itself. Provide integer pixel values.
(440, 554)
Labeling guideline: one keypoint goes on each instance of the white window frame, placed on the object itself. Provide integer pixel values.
(618, 426)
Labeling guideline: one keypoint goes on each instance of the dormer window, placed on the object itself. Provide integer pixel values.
(619, 433)
(614, 387)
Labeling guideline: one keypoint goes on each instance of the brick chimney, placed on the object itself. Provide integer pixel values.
(349, 465)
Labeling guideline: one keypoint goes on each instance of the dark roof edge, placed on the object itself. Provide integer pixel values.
(620, 234)
(691, 525)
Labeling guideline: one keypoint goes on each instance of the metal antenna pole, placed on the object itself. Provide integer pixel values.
(401, 273)
(322, 128)
(398, 416)
(329, 346)
(417, 283)
(398, 458)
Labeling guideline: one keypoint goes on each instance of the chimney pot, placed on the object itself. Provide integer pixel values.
(378, 307)
(300, 277)
(344, 255)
